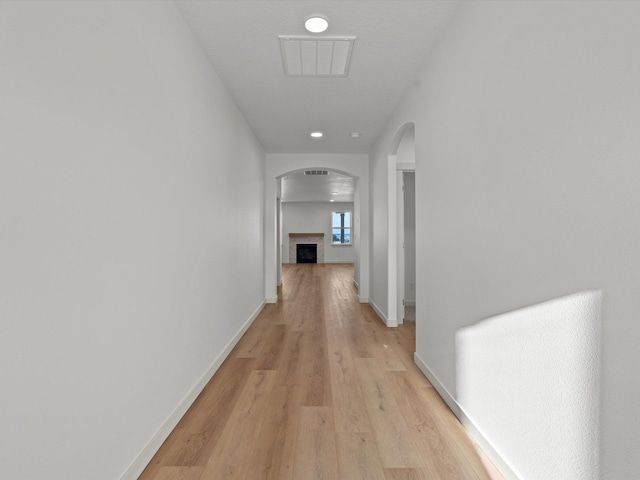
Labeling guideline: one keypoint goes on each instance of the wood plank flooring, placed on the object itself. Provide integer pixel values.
(318, 388)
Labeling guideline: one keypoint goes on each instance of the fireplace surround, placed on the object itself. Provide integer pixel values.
(306, 238)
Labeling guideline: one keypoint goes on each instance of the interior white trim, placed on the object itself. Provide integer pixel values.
(363, 299)
(409, 303)
(406, 166)
(400, 245)
(468, 424)
(150, 449)
(392, 242)
(387, 322)
(271, 299)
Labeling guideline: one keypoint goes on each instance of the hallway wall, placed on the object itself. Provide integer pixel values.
(527, 181)
(131, 252)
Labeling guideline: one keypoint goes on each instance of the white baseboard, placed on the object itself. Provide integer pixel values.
(387, 322)
(360, 299)
(147, 453)
(271, 299)
(409, 303)
(506, 471)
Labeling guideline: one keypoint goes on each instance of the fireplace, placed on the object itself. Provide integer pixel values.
(306, 253)
(306, 239)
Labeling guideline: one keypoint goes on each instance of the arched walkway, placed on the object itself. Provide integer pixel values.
(355, 166)
(401, 157)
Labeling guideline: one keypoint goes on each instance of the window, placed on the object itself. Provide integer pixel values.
(341, 228)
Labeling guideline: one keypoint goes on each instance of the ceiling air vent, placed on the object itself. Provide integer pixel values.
(316, 172)
(304, 56)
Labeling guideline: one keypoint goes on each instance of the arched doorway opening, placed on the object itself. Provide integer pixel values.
(279, 167)
(401, 224)
(317, 206)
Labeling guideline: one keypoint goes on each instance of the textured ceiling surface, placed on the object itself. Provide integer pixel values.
(241, 39)
(298, 187)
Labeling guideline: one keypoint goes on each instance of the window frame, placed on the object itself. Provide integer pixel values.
(348, 229)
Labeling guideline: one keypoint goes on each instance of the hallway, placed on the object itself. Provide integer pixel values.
(319, 388)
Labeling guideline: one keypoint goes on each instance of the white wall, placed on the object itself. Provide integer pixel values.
(527, 184)
(534, 370)
(551, 353)
(131, 252)
(315, 217)
(406, 152)
(357, 166)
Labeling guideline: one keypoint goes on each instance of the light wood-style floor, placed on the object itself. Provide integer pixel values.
(319, 388)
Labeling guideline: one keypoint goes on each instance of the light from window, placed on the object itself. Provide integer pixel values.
(341, 228)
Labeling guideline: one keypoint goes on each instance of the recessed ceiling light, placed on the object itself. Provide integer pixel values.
(316, 134)
(334, 193)
(332, 200)
(355, 134)
(316, 24)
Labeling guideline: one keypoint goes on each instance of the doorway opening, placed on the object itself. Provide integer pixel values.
(409, 241)
(401, 216)
(305, 212)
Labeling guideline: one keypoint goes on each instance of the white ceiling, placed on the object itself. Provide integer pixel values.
(298, 187)
(241, 39)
